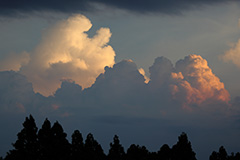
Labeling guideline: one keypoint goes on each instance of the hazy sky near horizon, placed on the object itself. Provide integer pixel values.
(61, 49)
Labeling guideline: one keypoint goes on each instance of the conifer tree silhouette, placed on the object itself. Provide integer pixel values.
(213, 156)
(93, 150)
(183, 149)
(26, 146)
(164, 153)
(61, 146)
(135, 152)
(77, 146)
(222, 155)
(45, 138)
(50, 143)
(116, 151)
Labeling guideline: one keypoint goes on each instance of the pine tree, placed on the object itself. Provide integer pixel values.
(213, 156)
(61, 146)
(26, 146)
(45, 137)
(183, 149)
(93, 150)
(164, 153)
(116, 151)
(135, 152)
(77, 146)
(221, 155)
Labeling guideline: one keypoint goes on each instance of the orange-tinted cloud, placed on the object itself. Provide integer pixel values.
(142, 72)
(194, 83)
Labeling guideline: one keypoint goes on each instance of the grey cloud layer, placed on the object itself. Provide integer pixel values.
(14, 7)
(185, 97)
(190, 86)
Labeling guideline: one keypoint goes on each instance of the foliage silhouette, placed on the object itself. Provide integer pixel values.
(116, 151)
(45, 138)
(93, 150)
(77, 147)
(183, 149)
(50, 143)
(136, 152)
(222, 155)
(26, 147)
(164, 153)
(61, 146)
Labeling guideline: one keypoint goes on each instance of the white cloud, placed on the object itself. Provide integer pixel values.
(66, 52)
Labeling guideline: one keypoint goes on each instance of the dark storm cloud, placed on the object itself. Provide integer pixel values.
(14, 7)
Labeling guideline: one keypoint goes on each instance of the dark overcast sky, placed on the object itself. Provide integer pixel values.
(14, 7)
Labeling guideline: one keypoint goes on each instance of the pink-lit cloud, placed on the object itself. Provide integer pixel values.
(195, 83)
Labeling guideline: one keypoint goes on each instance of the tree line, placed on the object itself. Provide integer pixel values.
(50, 143)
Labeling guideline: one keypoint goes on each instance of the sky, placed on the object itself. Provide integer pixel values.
(144, 70)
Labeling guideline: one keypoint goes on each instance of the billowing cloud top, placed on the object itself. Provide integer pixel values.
(191, 81)
(195, 81)
(13, 7)
(65, 52)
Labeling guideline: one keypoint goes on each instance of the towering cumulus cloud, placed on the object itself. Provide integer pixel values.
(190, 82)
(66, 52)
(194, 82)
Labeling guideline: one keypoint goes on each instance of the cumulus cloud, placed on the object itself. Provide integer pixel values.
(194, 82)
(160, 72)
(14, 61)
(66, 52)
(233, 54)
(120, 97)
(119, 85)
(190, 84)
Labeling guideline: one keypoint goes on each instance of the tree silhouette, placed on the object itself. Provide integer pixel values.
(116, 151)
(135, 152)
(222, 155)
(45, 138)
(213, 156)
(77, 147)
(183, 149)
(164, 153)
(26, 146)
(50, 143)
(93, 150)
(61, 146)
